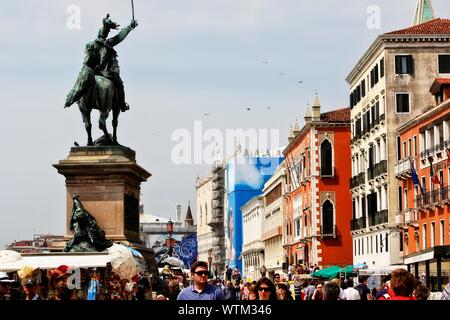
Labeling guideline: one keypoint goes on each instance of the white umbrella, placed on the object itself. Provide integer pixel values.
(122, 261)
(9, 256)
(173, 261)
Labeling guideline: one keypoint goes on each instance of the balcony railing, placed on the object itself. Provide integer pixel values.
(411, 217)
(328, 233)
(433, 198)
(358, 224)
(379, 218)
(403, 167)
(430, 152)
(380, 168)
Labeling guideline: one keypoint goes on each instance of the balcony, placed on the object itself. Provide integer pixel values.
(358, 180)
(287, 240)
(358, 224)
(380, 168)
(403, 167)
(379, 218)
(305, 175)
(434, 198)
(400, 218)
(328, 233)
(411, 217)
(435, 150)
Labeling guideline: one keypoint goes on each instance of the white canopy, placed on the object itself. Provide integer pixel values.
(52, 261)
(386, 270)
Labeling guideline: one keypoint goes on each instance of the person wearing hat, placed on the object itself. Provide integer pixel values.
(30, 290)
(5, 286)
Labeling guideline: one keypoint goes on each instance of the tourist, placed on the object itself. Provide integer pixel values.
(421, 292)
(5, 287)
(266, 289)
(29, 288)
(402, 285)
(350, 292)
(174, 288)
(318, 293)
(364, 291)
(283, 292)
(200, 289)
(331, 291)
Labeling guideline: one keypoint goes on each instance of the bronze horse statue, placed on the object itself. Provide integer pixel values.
(99, 85)
(103, 97)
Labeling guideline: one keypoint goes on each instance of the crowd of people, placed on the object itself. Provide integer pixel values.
(399, 285)
(56, 284)
(106, 285)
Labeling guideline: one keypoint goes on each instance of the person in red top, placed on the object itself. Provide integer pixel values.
(401, 286)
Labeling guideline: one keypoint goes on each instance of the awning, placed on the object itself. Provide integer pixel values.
(381, 270)
(52, 261)
(429, 254)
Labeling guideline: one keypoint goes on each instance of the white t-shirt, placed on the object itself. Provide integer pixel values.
(351, 294)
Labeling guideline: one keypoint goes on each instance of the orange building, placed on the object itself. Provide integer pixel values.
(423, 172)
(318, 200)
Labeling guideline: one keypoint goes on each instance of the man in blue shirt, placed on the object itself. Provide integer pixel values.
(201, 290)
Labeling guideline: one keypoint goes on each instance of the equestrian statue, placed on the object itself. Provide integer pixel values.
(99, 85)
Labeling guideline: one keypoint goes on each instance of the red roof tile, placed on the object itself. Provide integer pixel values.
(340, 115)
(436, 26)
(438, 83)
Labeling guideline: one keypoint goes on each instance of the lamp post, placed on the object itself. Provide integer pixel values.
(169, 226)
(209, 259)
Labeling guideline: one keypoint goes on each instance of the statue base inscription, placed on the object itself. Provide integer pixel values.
(107, 180)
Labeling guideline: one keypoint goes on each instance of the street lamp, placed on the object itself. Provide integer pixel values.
(169, 226)
(210, 259)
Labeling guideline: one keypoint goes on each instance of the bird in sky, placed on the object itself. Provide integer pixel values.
(265, 62)
(76, 144)
(300, 82)
(281, 73)
(268, 108)
(248, 109)
(207, 114)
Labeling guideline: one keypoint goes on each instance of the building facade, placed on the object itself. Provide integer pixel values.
(318, 207)
(423, 196)
(389, 86)
(205, 235)
(252, 243)
(272, 223)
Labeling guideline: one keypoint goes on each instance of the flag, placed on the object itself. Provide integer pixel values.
(415, 178)
(434, 175)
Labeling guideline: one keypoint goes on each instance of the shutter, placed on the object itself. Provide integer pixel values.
(398, 65)
(382, 68)
(409, 64)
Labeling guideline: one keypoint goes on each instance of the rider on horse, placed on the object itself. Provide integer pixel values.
(101, 59)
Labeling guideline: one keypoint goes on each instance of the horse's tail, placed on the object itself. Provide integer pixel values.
(85, 81)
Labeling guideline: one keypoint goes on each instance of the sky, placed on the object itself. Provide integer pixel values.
(188, 62)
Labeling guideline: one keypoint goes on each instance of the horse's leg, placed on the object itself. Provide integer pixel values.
(102, 123)
(115, 122)
(87, 124)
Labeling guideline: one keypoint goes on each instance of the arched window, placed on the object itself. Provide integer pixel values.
(326, 159)
(327, 218)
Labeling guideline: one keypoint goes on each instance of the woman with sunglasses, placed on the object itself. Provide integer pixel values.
(266, 289)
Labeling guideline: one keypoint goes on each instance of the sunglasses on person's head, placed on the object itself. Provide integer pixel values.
(202, 273)
(264, 289)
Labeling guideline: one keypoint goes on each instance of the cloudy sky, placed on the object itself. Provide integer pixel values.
(186, 59)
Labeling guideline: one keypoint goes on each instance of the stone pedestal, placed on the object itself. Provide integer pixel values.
(107, 180)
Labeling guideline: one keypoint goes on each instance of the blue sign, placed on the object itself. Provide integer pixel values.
(187, 250)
